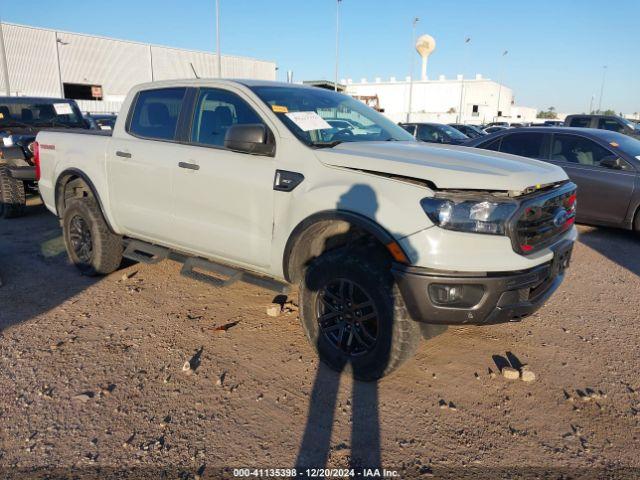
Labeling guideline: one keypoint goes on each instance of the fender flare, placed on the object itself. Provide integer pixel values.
(360, 221)
(85, 178)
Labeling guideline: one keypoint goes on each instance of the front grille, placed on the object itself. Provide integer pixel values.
(542, 219)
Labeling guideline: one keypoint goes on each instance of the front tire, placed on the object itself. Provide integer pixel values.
(353, 314)
(92, 247)
(12, 196)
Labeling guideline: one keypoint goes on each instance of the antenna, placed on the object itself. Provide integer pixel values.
(194, 70)
(425, 45)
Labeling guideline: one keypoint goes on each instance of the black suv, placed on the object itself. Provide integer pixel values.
(21, 118)
(612, 123)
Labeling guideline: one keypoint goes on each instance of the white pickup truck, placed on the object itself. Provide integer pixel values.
(280, 184)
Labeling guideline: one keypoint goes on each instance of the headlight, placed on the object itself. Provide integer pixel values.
(8, 141)
(477, 216)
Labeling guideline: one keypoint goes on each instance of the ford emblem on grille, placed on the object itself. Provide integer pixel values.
(560, 217)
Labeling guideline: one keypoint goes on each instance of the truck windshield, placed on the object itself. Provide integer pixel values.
(23, 112)
(322, 118)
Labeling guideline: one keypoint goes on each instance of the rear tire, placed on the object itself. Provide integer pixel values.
(331, 320)
(92, 247)
(12, 196)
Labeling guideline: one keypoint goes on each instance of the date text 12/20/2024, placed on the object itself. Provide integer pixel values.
(315, 473)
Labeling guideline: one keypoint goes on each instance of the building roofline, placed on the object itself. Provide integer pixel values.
(135, 42)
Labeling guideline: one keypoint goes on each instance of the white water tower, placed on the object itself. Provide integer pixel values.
(425, 45)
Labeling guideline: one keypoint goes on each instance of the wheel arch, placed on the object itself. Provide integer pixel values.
(61, 199)
(330, 229)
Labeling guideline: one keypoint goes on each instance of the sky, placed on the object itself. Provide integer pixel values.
(557, 49)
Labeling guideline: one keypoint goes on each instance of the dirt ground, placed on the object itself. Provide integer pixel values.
(91, 377)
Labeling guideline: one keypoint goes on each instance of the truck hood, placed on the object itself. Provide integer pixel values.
(446, 166)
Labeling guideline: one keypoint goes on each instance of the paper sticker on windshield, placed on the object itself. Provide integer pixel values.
(308, 121)
(62, 109)
(1, 115)
(279, 109)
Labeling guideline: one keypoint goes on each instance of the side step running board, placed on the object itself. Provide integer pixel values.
(193, 267)
(145, 252)
(192, 264)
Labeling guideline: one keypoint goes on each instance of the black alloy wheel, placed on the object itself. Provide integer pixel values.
(347, 317)
(80, 236)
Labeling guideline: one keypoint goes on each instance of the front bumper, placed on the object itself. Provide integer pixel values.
(509, 296)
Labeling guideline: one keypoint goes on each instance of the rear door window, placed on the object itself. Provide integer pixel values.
(578, 150)
(581, 122)
(529, 145)
(156, 113)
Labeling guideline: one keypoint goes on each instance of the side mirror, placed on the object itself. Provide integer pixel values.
(612, 162)
(253, 138)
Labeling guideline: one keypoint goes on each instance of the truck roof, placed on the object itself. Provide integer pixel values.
(218, 81)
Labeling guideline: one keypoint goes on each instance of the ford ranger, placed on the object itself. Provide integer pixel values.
(247, 180)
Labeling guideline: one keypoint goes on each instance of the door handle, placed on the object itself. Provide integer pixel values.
(122, 154)
(190, 166)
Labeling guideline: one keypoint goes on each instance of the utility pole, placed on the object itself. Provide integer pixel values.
(218, 39)
(504, 54)
(604, 73)
(467, 41)
(5, 68)
(58, 43)
(413, 61)
(335, 83)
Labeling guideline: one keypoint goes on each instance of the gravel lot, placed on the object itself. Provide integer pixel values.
(92, 377)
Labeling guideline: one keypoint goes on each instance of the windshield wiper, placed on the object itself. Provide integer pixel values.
(326, 144)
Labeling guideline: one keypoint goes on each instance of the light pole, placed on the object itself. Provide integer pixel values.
(218, 39)
(604, 73)
(504, 54)
(467, 41)
(593, 97)
(335, 83)
(413, 61)
(5, 68)
(58, 43)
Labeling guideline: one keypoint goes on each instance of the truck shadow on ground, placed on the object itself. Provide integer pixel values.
(35, 272)
(619, 246)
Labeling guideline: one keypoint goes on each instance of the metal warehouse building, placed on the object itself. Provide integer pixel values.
(98, 72)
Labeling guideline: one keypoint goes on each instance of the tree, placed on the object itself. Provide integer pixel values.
(549, 113)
